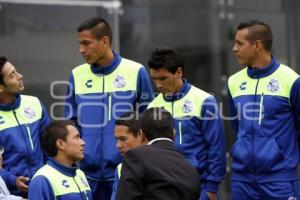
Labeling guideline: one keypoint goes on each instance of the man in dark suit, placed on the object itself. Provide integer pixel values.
(157, 170)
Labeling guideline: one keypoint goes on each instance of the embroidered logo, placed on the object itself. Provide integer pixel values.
(119, 82)
(243, 86)
(1, 120)
(292, 198)
(29, 112)
(88, 83)
(83, 181)
(65, 184)
(187, 106)
(273, 85)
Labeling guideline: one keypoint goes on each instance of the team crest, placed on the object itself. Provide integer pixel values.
(119, 82)
(292, 198)
(187, 106)
(273, 85)
(29, 112)
(83, 181)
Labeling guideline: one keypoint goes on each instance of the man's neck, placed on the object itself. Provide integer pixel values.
(7, 98)
(64, 160)
(262, 61)
(107, 59)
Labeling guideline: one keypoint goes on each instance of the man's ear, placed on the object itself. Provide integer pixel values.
(60, 144)
(144, 139)
(2, 87)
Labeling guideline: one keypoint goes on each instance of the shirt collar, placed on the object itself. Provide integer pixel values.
(107, 69)
(68, 171)
(264, 71)
(12, 106)
(159, 139)
(185, 88)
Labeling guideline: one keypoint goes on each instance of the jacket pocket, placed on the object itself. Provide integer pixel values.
(267, 154)
(241, 154)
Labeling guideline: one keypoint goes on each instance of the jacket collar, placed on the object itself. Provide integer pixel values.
(185, 88)
(104, 70)
(263, 72)
(12, 106)
(68, 171)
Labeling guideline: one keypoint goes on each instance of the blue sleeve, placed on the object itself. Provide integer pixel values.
(232, 112)
(40, 189)
(115, 185)
(8, 178)
(45, 120)
(144, 90)
(295, 102)
(213, 129)
(70, 109)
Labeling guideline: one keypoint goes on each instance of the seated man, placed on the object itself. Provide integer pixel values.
(128, 136)
(60, 178)
(157, 170)
(4, 193)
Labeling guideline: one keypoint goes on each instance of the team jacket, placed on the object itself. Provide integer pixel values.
(98, 96)
(56, 181)
(199, 131)
(21, 125)
(265, 106)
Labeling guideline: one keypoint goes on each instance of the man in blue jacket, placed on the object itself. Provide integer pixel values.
(264, 100)
(60, 178)
(22, 119)
(199, 128)
(101, 90)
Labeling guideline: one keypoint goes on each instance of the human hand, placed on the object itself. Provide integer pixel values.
(212, 196)
(21, 183)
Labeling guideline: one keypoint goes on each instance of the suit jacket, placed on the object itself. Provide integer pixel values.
(157, 171)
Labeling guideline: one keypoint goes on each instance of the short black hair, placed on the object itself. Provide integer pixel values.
(132, 121)
(157, 122)
(258, 30)
(56, 130)
(165, 58)
(3, 60)
(98, 26)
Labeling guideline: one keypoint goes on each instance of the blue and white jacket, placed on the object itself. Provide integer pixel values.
(199, 132)
(265, 106)
(21, 125)
(59, 182)
(97, 96)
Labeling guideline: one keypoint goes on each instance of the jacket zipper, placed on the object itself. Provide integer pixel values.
(29, 136)
(253, 132)
(23, 134)
(180, 132)
(86, 197)
(109, 106)
(261, 108)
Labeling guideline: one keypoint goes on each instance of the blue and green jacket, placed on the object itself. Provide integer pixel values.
(199, 131)
(56, 181)
(21, 124)
(97, 96)
(265, 111)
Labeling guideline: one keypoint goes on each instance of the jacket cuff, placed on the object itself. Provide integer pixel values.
(212, 186)
(11, 181)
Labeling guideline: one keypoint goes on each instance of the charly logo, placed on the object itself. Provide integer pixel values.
(273, 85)
(243, 86)
(187, 106)
(1, 120)
(292, 198)
(29, 112)
(65, 183)
(119, 82)
(88, 83)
